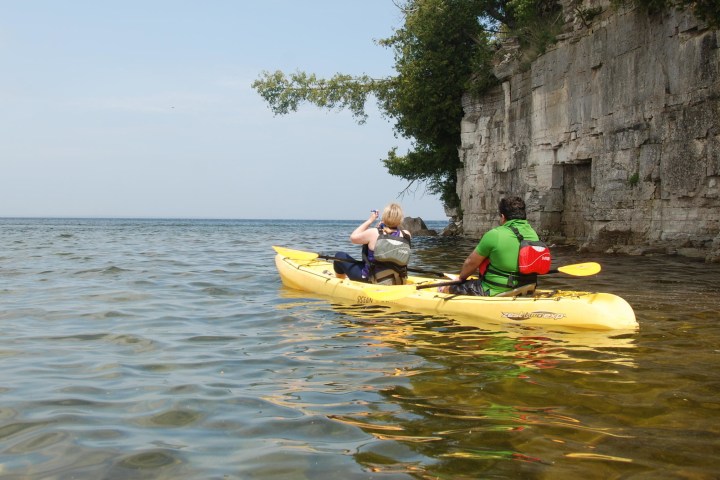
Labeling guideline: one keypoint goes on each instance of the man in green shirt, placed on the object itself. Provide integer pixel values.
(496, 256)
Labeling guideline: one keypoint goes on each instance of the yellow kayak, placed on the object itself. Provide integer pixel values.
(586, 310)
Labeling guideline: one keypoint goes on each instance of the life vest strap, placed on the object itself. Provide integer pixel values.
(519, 291)
(514, 280)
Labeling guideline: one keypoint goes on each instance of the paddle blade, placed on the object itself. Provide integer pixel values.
(581, 269)
(385, 293)
(295, 254)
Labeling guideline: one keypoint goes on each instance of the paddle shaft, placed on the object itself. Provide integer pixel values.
(440, 284)
(419, 270)
(458, 282)
(410, 269)
(562, 269)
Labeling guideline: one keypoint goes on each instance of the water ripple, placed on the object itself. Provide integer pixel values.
(169, 349)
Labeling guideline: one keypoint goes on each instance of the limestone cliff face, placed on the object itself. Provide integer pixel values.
(612, 136)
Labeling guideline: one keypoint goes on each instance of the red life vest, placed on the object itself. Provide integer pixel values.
(533, 256)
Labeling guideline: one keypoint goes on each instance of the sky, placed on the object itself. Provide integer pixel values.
(145, 109)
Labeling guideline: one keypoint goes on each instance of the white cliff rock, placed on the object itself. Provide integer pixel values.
(612, 136)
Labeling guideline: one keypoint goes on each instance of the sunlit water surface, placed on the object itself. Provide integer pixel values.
(170, 349)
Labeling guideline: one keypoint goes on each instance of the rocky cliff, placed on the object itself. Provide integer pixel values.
(612, 136)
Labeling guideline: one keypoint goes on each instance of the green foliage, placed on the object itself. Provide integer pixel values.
(706, 10)
(588, 14)
(441, 52)
(444, 49)
(634, 179)
(526, 12)
(537, 23)
(436, 54)
(284, 94)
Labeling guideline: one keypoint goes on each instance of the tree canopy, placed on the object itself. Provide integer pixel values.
(706, 10)
(442, 51)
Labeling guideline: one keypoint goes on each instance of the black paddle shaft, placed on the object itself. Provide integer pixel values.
(410, 269)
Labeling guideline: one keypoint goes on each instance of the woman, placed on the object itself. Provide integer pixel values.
(389, 264)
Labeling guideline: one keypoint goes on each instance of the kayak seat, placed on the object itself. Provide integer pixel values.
(528, 289)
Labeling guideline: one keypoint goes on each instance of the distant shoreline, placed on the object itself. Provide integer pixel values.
(208, 219)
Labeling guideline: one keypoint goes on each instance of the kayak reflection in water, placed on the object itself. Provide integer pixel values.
(385, 251)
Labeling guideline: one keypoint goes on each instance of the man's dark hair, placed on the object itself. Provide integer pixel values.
(513, 208)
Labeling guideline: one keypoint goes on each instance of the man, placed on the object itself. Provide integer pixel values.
(496, 256)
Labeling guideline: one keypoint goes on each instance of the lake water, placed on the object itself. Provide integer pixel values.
(170, 349)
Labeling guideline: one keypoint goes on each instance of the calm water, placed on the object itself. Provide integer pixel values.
(169, 349)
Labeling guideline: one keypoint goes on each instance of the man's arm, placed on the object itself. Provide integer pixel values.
(470, 265)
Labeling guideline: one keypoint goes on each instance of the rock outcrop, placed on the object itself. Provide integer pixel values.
(612, 136)
(417, 227)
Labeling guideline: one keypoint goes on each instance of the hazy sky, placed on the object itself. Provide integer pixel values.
(144, 109)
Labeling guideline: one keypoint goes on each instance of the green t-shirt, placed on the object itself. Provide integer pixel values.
(501, 246)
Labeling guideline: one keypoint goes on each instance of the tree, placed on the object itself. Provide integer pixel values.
(441, 52)
(444, 50)
(707, 10)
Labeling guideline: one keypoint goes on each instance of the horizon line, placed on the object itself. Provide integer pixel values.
(74, 217)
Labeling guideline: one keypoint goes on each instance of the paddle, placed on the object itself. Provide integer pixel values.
(301, 255)
(394, 292)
